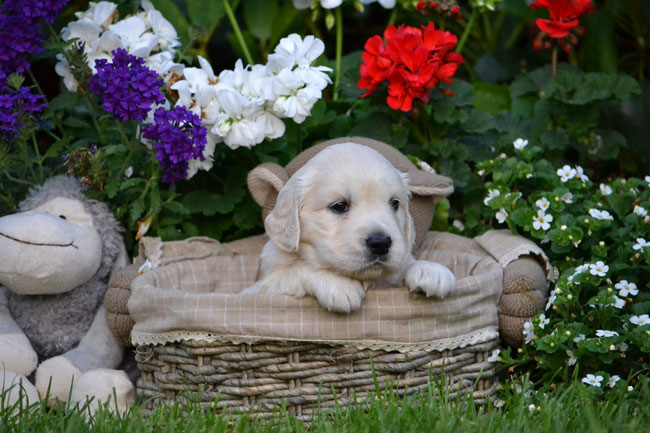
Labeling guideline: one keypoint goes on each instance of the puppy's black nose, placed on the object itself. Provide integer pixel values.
(378, 244)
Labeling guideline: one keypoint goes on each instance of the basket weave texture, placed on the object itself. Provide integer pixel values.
(309, 378)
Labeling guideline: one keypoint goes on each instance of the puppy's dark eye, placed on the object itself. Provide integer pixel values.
(62, 217)
(339, 207)
(394, 204)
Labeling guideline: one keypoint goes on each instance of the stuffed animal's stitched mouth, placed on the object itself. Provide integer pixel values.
(70, 244)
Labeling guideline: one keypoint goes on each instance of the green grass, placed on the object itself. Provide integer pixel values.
(574, 408)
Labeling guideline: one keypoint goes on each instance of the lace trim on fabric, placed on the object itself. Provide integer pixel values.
(476, 337)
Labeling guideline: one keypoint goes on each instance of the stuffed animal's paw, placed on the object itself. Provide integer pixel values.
(430, 278)
(102, 386)
(17, 354)
(16, 388)
(55, 377)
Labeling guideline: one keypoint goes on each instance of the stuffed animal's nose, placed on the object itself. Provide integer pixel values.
(378, 244)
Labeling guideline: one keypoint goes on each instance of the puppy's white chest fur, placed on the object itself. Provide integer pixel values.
(340, 225)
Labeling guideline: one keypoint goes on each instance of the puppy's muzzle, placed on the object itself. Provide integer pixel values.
(378, 244)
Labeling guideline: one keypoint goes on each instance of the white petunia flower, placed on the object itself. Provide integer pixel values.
(626, 289)
(543, 321)
(543, 204)
(606, 333)
(605, 189)
(542, 221)
(592, 380)
(501, 215)
(567, 198)
(520, 143)
(599, 268)
(612, 381)
(572, 359)
(641, 320)
(600, 215)
(529, 331)
(492, 193)
(494, 357)
(640, 211)
(566, 173)
(640, 244)
(580, 173)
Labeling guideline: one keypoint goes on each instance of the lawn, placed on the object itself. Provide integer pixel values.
(570, 408)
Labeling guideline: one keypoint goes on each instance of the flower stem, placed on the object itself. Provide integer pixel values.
(339, 52)
(393, 17)
(554, 61)
(238, 34)
(467, 31)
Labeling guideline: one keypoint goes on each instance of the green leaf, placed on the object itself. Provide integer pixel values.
(190, 229)
(197, 201)
(112, 187)
(283, 19)
(445, 111)
(463, 93)
(136, 211)
(63, 101)
(490, 97)
(625, 87)
(224, 204)
(55, 149)
(478, 121)
(205, 14)
(259, 16)
(74, 122)
(599, 43)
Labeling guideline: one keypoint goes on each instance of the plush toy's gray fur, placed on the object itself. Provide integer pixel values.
(68, 315)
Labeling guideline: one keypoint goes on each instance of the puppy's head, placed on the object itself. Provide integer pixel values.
(346, 210)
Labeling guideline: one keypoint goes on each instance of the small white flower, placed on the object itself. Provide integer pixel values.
(481, 172)
(543, 321)
(640, 211)
(494, 357)
(542, 203)
(623, 347)
(618, 302)
(580, 173)
(128, 172)
(567, 198)
(605, 189)
(551, 299)
(592, 380)
(579, 338)
(146, 267)
(572, 359)
(641, 320)
(599, 268)
(612, 380)
(520, 143)
(630, 388)
(582, 268)
(459, 225)
(542, 221)
(422, 165)
(626, 289)
(529, 331)
(640, 244)
(606, 333)
(566, 173)
(492, 193)
(532, 408)
(600, 215)
(647, 179)
(501, 215)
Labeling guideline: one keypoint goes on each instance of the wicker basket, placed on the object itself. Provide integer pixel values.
(308, 378)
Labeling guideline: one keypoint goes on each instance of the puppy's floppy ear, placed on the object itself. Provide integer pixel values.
(265, 182)
(283, 224)
(409, 230)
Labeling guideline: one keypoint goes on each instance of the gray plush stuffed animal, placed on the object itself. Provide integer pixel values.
(56, 256)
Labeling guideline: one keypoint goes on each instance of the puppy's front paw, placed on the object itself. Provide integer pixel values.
(430, 278)
(342, 295)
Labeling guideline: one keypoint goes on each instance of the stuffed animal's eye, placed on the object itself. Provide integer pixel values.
(394, 204)
(339, 207)
(62, 217)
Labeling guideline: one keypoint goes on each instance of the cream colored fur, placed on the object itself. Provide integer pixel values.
(319, 252)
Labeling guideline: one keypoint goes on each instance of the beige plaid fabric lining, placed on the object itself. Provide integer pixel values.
(193, 293)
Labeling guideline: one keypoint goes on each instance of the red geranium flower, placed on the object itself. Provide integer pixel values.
(412, 60)
(564, 15)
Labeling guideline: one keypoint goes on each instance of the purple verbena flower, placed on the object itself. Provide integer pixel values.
(127, 87)
(14, 104)
(48, 10)
(178, 138)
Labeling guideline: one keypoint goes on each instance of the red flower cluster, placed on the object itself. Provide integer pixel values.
(412, 60)
(564, 21)
(441, 7)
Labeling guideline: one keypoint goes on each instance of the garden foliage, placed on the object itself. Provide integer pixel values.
(537, 109)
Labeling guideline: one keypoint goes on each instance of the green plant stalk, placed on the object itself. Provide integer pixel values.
(392, 18)
(554, 61)
(467, 31)
(238, 33)
(339, 52)
(39, 159)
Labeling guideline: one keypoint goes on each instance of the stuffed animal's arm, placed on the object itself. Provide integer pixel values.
(97, 349)
(17, 354)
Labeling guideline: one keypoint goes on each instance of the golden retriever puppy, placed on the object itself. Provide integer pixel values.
(340, 225)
